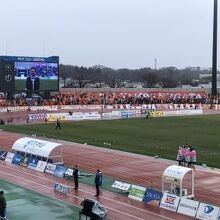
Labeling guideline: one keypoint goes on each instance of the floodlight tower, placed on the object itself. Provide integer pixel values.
(214, 50)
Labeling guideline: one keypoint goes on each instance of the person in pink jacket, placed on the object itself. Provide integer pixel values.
(193, 157)
(187, 157)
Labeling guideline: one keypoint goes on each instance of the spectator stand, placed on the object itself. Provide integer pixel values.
(40, 149)
(121, 187)
(173, 179)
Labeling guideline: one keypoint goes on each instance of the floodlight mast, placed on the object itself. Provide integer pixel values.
(214, 51)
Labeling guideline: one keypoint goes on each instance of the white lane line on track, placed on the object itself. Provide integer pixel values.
(199, 195)
(120, 203)
(216, 200)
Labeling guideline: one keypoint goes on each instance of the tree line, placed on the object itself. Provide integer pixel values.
(167, 77)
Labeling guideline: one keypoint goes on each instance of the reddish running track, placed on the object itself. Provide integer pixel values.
(142, 170)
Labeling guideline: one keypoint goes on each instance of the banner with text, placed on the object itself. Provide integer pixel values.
(152, 197)
(136, 192)
(188, 207)
(169, 202)
(207, 212)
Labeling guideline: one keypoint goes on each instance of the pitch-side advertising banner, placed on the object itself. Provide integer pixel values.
(9, 157)
(17, 159)
(32, 163)
(41, 165)
(121, 186)
(157, 114)
(60, 188)
(188, 207)
(68, 172)
(50, 168)
(152, 196)
(207, 212)
(137, 192)
(59, 171)
(37, 116)
(169, 202)
(3, 154)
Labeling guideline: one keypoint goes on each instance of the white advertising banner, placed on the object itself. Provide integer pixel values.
(50, 168)
(74, 116)
(207, 212)
(184, 112)
(69, 172)
(121, 186)
(109, 115)
(137, 192)
(169, 202)
(91, 115)
(188, 207)
(37, 116)
(190, 112)
(41, 165)
(116, 113)
(9, 157)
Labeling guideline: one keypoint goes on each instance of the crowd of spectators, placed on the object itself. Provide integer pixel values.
(110, 98)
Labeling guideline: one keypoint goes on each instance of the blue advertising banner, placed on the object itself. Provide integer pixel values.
(39, 116)
(59, 171)
(126, 114)
(3, 154)
(152, 196)
(24, 161)
(17, 159)
(32, 163)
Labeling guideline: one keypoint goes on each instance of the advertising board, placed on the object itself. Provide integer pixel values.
(169, 202)
(207, 212)
(188, 207)
(136, 192)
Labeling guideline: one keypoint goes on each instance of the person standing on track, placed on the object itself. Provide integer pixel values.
(98, 181)
(2, 205)
(76, 177)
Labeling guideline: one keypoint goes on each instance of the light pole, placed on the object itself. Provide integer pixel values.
(214, 51)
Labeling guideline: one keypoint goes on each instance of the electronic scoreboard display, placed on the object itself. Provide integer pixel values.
(18, 74)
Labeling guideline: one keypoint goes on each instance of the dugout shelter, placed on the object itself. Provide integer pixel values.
(41, 149)
(174, 181)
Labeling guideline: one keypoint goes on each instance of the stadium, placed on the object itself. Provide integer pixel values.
(131, 135)
(117, 118)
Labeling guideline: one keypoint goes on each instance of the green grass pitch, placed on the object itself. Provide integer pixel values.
(156, 136)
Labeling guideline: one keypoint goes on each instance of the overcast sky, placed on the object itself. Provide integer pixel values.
(114, 33)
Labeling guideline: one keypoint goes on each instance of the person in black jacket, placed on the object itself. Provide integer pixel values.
(98, 181)
(33, 81)
(76, 177)
(2, 205)
(58, 124)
